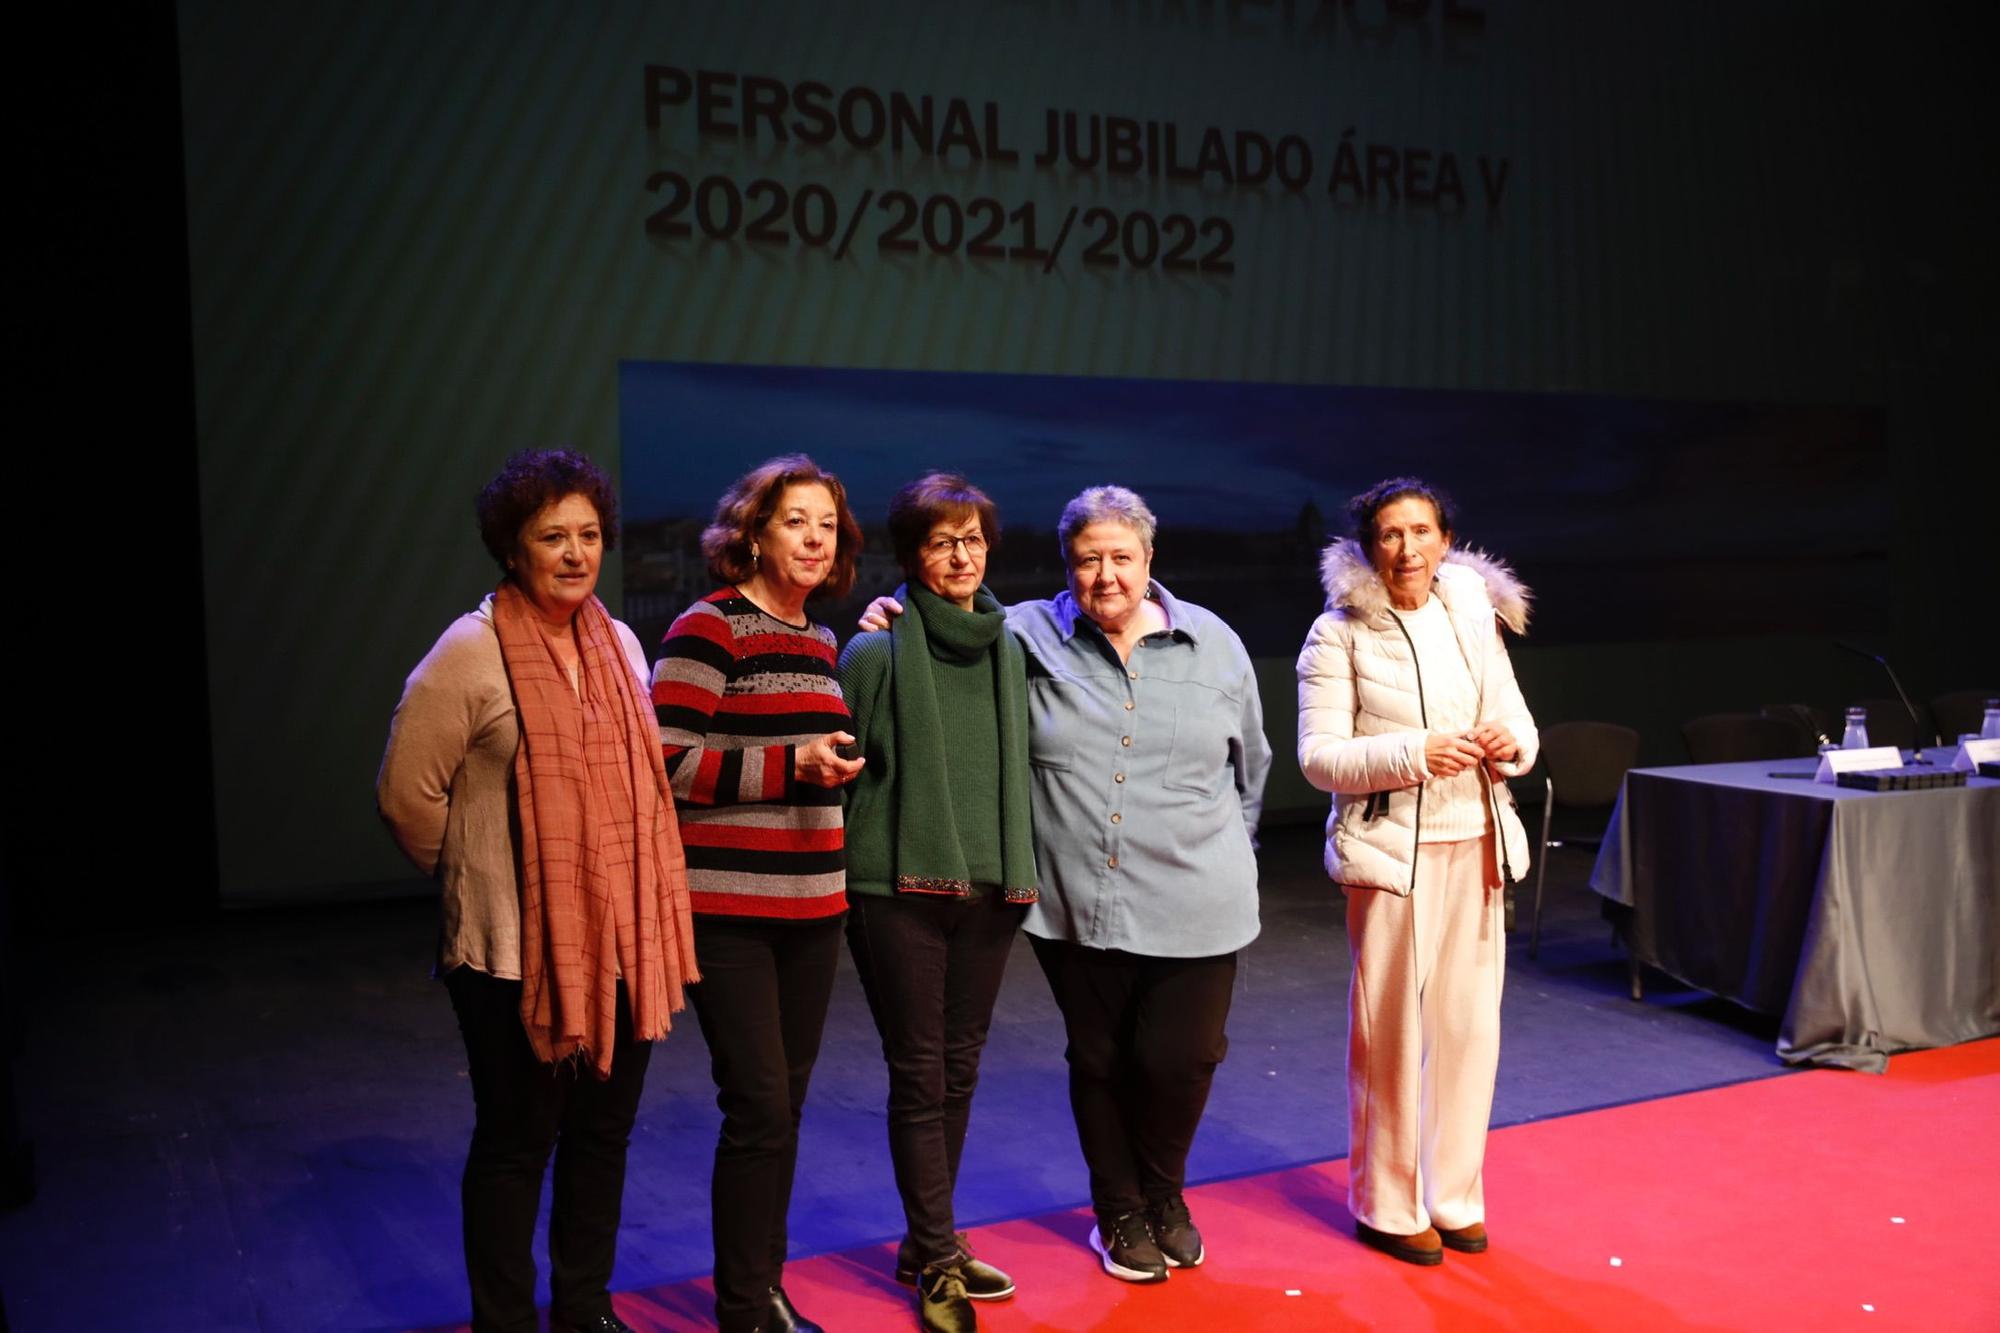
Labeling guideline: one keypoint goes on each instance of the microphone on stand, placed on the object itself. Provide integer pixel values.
(1916, 727)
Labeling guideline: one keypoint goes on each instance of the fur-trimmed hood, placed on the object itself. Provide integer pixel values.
(1352, 584)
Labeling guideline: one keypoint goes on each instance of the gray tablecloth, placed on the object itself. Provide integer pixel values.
(1869, 920)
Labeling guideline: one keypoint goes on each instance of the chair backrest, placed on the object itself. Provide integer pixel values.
(1960, 711)
(1812, 723)
(1889, 723)
(1727, 738)
(1586, 761)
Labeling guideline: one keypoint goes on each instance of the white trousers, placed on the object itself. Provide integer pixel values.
(1423, 1040)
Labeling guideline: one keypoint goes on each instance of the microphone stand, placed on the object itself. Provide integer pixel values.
(1916, 727)
(1804, 717)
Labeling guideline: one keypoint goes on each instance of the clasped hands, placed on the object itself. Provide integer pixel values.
(1447, 754)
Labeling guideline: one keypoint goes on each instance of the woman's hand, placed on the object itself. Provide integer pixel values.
(818, 764)
(1448, 755)
(1498, 742)
(880, 612)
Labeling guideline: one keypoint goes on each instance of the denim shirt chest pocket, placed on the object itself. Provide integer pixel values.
(1060, 715)
(1205, 723)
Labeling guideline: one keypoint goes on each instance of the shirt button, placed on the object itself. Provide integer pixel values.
(1113, 863)
(1117, 819)
(1117, 777)
(1133, 675)
(1129, 705)
(1125, 741)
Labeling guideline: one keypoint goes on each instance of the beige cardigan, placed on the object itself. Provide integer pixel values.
(446, 789)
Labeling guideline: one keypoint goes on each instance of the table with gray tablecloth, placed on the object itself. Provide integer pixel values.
(1869, 920)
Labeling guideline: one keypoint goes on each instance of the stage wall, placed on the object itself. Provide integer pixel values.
(422, 236)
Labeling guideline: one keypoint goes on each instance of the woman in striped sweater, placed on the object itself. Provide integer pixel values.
(751, 718)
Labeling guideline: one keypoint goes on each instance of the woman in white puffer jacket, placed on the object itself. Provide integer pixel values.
(1410, 715)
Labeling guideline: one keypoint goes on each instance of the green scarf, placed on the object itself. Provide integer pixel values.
(929, 858)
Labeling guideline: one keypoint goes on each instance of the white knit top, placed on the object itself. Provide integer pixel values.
(1454, 807)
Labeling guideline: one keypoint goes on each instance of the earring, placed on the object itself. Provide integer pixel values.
(756, 558)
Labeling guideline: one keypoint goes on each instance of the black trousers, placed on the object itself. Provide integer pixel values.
(931, 968)
(523, 1108)
(1145, 1035)
(761, 1003)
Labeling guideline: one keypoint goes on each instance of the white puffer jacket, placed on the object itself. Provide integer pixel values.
(1361, 713)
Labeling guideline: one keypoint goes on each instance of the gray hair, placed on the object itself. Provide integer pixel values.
(1105, 504)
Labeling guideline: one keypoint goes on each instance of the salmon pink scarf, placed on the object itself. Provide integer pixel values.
(603, 881)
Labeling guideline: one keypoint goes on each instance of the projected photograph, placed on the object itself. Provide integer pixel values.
(1630, 518)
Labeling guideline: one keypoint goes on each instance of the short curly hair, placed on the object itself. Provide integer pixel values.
(748, 505)
(937, 497)
(1363, 508)
(530, 482)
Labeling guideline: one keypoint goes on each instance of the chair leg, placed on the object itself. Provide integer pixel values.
(1541, 867)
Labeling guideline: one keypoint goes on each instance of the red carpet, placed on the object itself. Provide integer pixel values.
(1822, 1200)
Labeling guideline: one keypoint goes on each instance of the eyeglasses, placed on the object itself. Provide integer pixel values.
(940, 548)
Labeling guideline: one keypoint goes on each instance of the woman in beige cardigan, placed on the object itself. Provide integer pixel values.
(524, 774)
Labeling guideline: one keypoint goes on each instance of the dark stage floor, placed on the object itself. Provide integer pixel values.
(258, 1123)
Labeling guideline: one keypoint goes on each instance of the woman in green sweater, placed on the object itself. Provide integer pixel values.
(940, 860)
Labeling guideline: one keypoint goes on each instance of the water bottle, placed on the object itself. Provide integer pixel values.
(1990, 728)
(1856, 736)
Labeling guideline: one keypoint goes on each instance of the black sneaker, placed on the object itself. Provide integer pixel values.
(983, 1282)
(1174, 1232)
(943, 1305)
(1125, 1244)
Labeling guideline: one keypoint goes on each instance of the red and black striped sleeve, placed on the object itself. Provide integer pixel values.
(735, 699)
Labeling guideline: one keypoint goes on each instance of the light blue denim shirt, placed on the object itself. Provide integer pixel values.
(1147, 778)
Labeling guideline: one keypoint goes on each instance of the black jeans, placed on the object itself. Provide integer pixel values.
(931, 968)
(523, 1108)
(1145, 1035)
(762, 1004)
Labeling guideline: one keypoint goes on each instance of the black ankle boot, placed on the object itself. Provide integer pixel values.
(784, 1317)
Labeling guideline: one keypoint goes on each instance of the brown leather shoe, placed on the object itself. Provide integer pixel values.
(1424, 1248)
(1466, 1240)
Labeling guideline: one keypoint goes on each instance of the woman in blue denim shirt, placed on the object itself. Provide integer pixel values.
(1148, 762)
(1147, 766)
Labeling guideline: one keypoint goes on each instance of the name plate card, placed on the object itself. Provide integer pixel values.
(1835, 762)
(1974, 753)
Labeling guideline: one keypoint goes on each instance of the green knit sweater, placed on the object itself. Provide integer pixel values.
(939, 705)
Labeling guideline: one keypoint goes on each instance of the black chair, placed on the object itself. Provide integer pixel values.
(1889, 724)
(1583, 765)
(1960, 711)
(1728, 738)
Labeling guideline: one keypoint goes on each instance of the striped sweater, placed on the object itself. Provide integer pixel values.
(737, 691)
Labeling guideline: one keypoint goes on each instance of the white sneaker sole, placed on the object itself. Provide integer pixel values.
(1175, 1263)
(1118, 1270)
